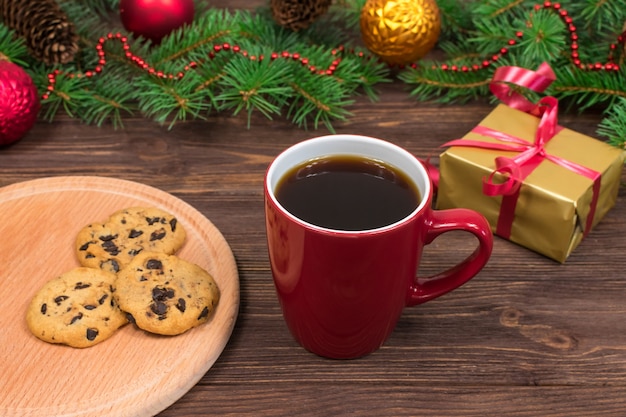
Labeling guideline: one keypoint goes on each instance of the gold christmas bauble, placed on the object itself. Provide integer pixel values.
(400, 32)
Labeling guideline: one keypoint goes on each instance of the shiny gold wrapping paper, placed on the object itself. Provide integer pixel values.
(554, 202)
(400, 31)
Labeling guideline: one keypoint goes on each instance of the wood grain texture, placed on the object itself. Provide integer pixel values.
(133, 373)
(526, 337)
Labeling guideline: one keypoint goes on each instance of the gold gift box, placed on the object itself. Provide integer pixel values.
(554, 202)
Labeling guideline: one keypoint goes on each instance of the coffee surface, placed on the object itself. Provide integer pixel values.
(347, 192)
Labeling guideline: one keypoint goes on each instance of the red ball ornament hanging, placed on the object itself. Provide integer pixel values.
(154, 19)
(19, 102)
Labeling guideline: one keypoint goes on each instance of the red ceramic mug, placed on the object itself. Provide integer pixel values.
(343, 291)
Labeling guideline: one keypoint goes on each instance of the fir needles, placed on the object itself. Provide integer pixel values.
(235, 62)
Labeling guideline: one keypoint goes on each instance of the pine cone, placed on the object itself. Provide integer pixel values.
(50, 36)
(298, 14)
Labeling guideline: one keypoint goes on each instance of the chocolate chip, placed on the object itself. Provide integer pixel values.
(158, 293)
(90, 307)
(134, 252)
(44, 308)
(159, 308)
(135, 233)
(153, 220)
(107, 238)
(92, 334)
(130, 318)
(154, 264)
(81, 285)
(103, 298)
(58, 300)
(85, 246)
(76, 318)
(90, 256)
(110, 247)
(158, 235)
(162, 294)
(173, 224)
(114, 266)
(204, 313)
(181, 305)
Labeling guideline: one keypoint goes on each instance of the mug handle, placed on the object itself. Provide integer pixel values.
(442, 221)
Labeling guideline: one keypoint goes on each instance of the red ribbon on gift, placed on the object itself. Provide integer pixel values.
(537, 81)
(515, 169)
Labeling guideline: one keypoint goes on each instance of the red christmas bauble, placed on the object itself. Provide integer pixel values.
(153, 19)
(19, 102)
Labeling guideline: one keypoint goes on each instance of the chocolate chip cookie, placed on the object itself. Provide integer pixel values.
(165, 294)
(76, 308)
(112, 244)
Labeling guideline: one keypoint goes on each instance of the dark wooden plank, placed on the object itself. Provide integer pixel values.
(372, 398)
(526, 337)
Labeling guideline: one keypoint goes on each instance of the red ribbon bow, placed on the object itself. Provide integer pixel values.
(538, 81)
(515, 169)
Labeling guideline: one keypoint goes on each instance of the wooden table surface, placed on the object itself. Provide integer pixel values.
(526, 337)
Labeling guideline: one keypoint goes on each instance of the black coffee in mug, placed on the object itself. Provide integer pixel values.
(347, 192)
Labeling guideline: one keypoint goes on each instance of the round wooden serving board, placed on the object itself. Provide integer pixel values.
(132, 373)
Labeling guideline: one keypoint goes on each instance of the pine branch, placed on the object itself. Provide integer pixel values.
(613, 126)
(346, 13)
(111, 100)
(250, 85)
(243, 62)
(545, 37)
(250, 80)
(431, 83)
(12, 49)
(456, 19)
(324, 98)
(588, 88)
(361, 72)
(601, 16)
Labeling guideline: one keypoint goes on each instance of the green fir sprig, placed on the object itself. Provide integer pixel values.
(220, 81)
(473, 32)
(545, 37)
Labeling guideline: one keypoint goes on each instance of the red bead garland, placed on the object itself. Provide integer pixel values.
(141, 63)
(610, 65)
